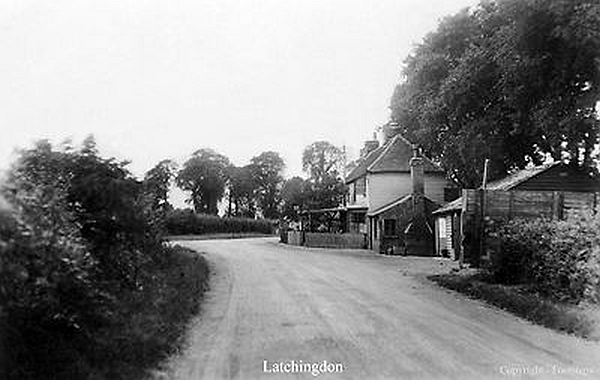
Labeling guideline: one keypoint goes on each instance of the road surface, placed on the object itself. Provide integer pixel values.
(357, 315)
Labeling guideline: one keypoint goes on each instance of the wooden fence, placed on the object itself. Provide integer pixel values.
(326, 240)
(484, 207)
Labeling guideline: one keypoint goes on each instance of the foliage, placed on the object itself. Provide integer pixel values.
(47, 285)
(204, 175)
(559, 259)
(267, 171)
(77, 247)
(294, 193)
(240, 192)
(322, 161)
(515, 81)
(157, 183)
(186, 222)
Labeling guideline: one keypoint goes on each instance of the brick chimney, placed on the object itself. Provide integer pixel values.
(370, 145)
(390, 130)
(416, 172)
(419, 238)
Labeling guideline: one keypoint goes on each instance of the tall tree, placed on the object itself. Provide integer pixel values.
(323, 161)
(267, 171)
(516, 81)
(294, 193)
(204, 176)
(157, 183)
(240, 191)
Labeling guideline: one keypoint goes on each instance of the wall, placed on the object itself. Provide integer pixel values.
(384, 188)
(326, 240)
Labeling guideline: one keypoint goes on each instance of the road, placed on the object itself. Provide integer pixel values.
(375, 316)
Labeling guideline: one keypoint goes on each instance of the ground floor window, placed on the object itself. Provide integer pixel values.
(389, 227)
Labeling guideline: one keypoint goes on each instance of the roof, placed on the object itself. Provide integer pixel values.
(390, 205)
(396, 156)
(506, 183)
(519, 177)
(361, 168)
(451, 206)
(393, 156)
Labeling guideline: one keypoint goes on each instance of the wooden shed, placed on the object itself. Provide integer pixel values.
(546, 190)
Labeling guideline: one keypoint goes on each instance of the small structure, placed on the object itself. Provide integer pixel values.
(551, 190)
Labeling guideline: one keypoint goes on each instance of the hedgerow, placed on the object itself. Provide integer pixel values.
(87, 289)
(186, 222)
(559, 259)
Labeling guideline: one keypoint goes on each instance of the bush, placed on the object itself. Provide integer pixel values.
(559, 259)
(87, 290)
(186, 222)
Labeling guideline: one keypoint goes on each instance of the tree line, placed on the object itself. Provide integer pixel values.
(257, 189)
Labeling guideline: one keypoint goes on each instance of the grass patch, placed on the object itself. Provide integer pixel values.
(581, 321)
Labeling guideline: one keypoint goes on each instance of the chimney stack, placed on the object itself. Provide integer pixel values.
(390, 130)
(416, 172)
(419, 238)
(370, 145)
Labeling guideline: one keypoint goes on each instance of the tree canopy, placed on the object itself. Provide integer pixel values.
(267, 169)
(516, 81)
(157, 183)
(240, 191)
(322, 161)
(204, 176)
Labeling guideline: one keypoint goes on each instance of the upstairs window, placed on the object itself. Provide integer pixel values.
(361, 186)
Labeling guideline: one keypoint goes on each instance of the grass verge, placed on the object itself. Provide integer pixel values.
(581, 321)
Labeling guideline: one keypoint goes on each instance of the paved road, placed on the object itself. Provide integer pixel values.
(374, 315)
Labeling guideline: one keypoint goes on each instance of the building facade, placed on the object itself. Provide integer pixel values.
(393, 191)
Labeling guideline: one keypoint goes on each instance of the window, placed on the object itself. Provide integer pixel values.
(361, 186)
(389, 227)
(358, 217)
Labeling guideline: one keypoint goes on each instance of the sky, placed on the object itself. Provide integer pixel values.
(160, 79)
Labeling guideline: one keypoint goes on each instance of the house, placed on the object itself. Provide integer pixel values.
(393, 191)
(536, 185)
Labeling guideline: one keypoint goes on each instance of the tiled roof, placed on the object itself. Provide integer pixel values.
(361, 168)
(394, 156)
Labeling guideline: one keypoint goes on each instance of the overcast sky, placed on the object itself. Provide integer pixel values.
(160, 79)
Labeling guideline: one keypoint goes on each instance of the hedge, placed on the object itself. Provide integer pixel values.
(186, 222)
(559, 259)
